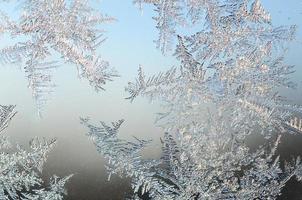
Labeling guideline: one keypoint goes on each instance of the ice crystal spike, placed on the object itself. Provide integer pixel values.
(6, 115)
(45, 29)
(295, 123)
(20, 170)
(168, 15)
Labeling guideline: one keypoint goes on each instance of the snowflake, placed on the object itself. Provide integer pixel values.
(45, 29)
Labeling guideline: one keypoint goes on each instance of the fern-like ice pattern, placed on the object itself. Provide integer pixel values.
(45, 30)
(20, 170)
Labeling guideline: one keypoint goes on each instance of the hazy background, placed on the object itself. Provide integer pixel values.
(129, 43)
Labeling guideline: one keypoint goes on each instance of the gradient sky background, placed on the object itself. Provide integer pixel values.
(129, 43)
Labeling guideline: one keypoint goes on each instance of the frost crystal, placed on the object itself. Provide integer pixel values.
(49, 28)
(20, 170)
(223, 91)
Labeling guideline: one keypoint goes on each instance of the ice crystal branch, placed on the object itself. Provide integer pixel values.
(46, 29)
(169, 14)
(20, 173)
(20, 169)
(218, 18)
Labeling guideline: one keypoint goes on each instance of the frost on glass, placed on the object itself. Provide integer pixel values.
(224, 90)
(20, 169)
(48, 30)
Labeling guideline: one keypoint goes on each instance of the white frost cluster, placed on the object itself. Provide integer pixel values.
(46, 30)
(20, 170)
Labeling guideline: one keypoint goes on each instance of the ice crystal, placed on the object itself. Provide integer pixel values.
(6, 114)
(46, 29)
(20, 170)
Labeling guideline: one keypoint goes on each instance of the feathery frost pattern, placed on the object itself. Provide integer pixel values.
(223, 91)
(124, 157)
(234, 62)
(20, 170)
(45, 29)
